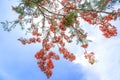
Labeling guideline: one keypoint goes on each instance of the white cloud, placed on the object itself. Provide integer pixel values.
(107, 54)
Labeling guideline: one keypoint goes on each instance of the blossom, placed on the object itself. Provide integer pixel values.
(108, 31)
(90, 56)
(84, 45)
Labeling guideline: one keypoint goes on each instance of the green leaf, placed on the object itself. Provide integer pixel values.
(23, 1)
(100, 4)
(70, 18)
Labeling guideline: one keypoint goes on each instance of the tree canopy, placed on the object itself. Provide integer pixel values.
(54, 22)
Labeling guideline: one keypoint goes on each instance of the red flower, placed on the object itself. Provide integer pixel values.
(50, 64)
(52, 29)
(23, 41)
(48, 73)
(35, 31)
(62, 26)
(47, 47)
(84, 45)
(40, 54)
(38, 40)
(20, 17)
(32, 40)
(90, 56)
(108, 31)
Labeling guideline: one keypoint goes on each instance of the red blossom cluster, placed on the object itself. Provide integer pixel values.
(68, 5)
(90, 17)
(52, 29)
(62, 26)
(84, 45)
(108, 18)
(59, 40)
(45, 62)
(20, 17)
(30, 40)
(67, 54)
(106, 27)
(35, 31)
(90, 56)
(108, 30)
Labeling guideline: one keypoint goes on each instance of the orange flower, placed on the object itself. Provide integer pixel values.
(56, 57)
(40, 54)
(50, 54)
(20, 17)
(50, 64)
(31, 40)
(72, 57)
(62, 26)
(48, 73)
(52, 29)
(90, 56)
(23, 41)
(35, 31)
(108, 30)
(47, 47)
(38, 40)
(84, 45)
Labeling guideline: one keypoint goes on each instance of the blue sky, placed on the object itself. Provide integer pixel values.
(17, 61)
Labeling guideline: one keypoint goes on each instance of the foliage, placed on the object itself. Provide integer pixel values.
(54, 22)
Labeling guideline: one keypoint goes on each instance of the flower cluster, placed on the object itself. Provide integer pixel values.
(84, 45)
(89, 17)
(45, 62)
(90, 56)
(30, 40)
(108, 18)
(67, 54)
(108, 30)
(35, 31)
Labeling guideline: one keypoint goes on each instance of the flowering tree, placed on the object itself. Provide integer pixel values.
(54, 22)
